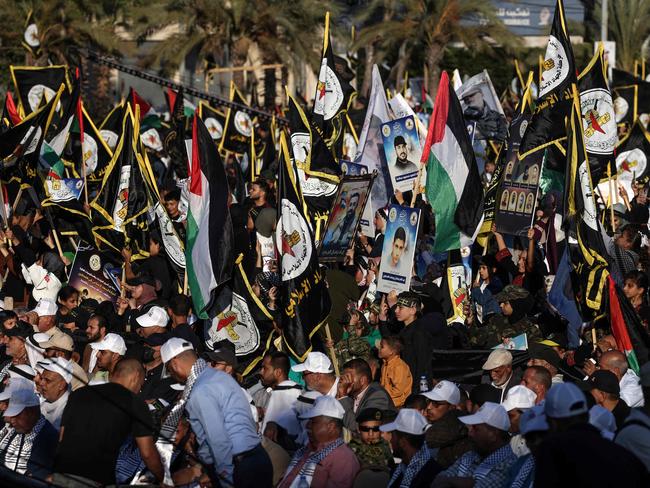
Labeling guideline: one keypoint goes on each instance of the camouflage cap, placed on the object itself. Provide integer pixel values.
(408, 299)
(511, 292)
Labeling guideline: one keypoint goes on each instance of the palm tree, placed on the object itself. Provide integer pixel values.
(430, 26)
(629, 26)
(284, 31)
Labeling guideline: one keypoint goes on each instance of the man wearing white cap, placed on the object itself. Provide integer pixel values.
(220, 417)
(418, 467)
(109, 351)
(326, 460)
(154, 321)
(318, 373)
(519, 400)
(52, 381)
(489, 463)
(28, 441)
(575, 454)
(61, 345)
(499, 367)
(46, 309)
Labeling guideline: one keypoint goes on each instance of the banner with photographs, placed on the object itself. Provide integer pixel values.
(481, 107)
(518, 193)
(344, 218)
(403, 152)
(95, 274)
(397, 255)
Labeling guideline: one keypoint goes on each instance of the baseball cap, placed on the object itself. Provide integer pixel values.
(498, 357)
(444, 391)
(546, 353)
(491, 414)
(409, 421)
(157, 339)
(224, 351)
(173, 347)
(21, 399)
(408, 299)
(325, 406)
(556, 339)
(45, 307)
(143, 279)
(510, 293)
(519, 397)
(58, 340)
(370, 414)
(110, 342)
(533, 420)
(316, 362)
(399, 140)
(21, 329)
(604, 381)
(603, 420)
(565, 400)
(154, 316)
(15, 384)
(61, 366)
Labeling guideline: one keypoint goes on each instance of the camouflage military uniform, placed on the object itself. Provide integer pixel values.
(350, 348)
(499, 326)
(377, 457)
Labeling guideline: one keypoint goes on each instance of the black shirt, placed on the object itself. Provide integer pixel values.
(155, 386)
(185, 331)
(620, 412)
(96, 422)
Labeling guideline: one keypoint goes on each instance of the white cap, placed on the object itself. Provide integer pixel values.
(491, 414)
(498, 357)
(409, 421)
(603, 420)
(111, 342)
(327, 406)
(519, 397)
(173, 347)
(444, 391)
(45, 307)
(533, 420)
(20, 399)
(565, 400)
(15, 384)
(316, 362)
(61, 366)
(155, 316)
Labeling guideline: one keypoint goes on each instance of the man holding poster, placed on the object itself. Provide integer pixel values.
(399, 249)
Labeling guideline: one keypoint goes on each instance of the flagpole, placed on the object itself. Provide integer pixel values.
(611, 197)
(328, 335)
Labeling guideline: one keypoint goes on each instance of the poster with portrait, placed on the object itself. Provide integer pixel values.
(482, 109)
(397, 255)
(403, 152)
(95, 274)
(517, 195)
(343, 222)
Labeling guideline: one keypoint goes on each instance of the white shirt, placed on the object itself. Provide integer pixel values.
(281, 400)
(631, 392)
(53, 411)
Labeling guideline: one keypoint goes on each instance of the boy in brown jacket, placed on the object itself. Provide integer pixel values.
(396, 376)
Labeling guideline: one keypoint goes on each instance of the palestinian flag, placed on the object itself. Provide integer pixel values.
(243, 320)
(631, 337)
(303, 293)
(333, 92)
(187, 107)
(598, 118)
(33, 84)
(213, 119)
(111, 127)
(554, 102)
(453, 186)
(10, 115)
(239, 124)
(209, 251)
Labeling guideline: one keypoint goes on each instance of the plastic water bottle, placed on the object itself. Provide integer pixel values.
(424, 384)
(302, 483)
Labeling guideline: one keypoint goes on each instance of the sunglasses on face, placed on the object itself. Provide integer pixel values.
(363, 428)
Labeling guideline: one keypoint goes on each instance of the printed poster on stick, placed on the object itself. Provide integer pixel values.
(398, 252)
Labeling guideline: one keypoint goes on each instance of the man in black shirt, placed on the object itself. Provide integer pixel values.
(155, 386)
(96, 422)
(606, 391)
(179, 309)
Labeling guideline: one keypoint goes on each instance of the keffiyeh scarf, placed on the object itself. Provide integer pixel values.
(165, 442)
(309, 468)
(409, 472)
(15, 448)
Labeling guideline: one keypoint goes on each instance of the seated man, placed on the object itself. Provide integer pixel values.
(489, 464)
(373, 452)
(418, 468)
(326, 460)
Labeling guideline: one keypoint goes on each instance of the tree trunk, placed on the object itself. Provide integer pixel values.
(401, 66)
(367, 70)
(239, 55)
(433, 58)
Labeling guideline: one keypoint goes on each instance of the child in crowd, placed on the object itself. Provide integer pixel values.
(396, 376)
